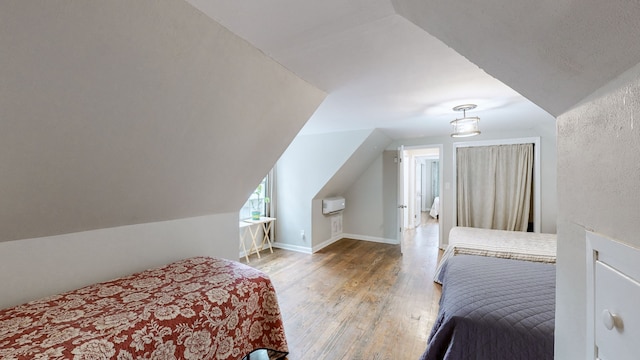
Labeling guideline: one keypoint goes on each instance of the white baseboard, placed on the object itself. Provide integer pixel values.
(296, 248)
(306, 250)
(324, 244)
(371, 238)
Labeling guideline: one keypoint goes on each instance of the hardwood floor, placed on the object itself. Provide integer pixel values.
(357, 299)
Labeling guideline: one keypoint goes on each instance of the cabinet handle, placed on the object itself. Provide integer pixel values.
(608, 319)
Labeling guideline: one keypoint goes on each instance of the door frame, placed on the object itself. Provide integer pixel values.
(400, 194)
(407, 162)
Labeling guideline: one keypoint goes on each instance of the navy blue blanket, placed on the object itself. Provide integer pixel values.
(494, 309)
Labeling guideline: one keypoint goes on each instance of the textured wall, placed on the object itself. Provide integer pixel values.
(598, 190)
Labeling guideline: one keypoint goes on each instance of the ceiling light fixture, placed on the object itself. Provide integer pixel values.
(467, 126)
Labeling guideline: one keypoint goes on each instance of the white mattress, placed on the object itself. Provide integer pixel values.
(516, 245)
(435, 208)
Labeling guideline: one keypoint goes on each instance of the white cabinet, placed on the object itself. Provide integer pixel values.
(613, 291)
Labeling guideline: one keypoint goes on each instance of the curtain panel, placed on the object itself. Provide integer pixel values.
(494, 186)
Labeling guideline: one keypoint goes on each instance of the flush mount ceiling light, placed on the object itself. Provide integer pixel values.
(466, 126)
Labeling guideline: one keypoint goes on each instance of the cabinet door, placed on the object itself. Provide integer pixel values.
(617, 319)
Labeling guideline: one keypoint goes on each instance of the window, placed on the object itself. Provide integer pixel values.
(259, 201)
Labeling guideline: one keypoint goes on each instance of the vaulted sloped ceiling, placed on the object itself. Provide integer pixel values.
(124, 112)
(553, 52)
(379, 69)
(401, 65)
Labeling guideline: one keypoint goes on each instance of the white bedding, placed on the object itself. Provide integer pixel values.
(516, 245)
(435, 208)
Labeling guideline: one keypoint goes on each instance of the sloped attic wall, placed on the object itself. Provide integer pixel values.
(552, 52)
(358, 162)
(144, 122)
(125, 112)
(314, 167)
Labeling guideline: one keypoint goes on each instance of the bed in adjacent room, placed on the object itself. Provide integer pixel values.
(494, 308)
(435, 208)
(195, 308)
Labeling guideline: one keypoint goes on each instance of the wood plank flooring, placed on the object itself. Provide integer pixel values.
(357, 299)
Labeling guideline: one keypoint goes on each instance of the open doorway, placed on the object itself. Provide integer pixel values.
(422, 186)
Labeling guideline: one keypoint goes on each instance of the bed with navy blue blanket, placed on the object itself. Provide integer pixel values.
(493, 308)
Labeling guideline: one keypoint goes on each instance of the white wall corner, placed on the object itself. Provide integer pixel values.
(328, 242)
(291, 247)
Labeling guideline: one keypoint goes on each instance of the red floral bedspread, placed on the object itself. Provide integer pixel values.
(198, 308)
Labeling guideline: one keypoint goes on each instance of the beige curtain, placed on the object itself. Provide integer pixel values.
(494, 186)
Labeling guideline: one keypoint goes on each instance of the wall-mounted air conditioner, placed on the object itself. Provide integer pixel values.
(333, 205)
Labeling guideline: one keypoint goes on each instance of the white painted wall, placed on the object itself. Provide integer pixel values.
(304, 168)
(128, 112)
(315, 167)
(38, 267)
(598, 190)
(372, 208)
(372, 211)
(348, 173)
(364, 216)
(132, 132)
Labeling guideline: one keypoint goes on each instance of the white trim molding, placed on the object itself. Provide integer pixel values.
(371, 238)
(441, 191)
(296, 248)
(324, 244)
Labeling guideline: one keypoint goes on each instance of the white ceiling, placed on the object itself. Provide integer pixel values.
(554, 52)
(379, 69)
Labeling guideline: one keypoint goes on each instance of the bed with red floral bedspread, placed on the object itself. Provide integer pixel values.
(197, 308)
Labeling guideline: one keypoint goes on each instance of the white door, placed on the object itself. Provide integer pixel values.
(402, 207)
(417, 212)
